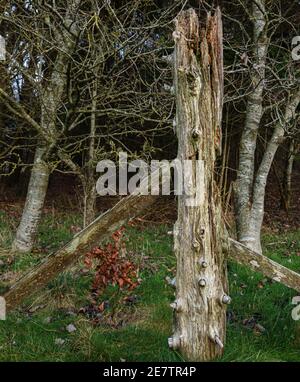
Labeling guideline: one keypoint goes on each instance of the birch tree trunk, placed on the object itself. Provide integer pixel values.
(32, 210)
(250, 187)
(89, 203)
(89, 183)
(287, 177)
(201, 281)
(255, 215)
(259, 188)
(246, 230)
(51, 98)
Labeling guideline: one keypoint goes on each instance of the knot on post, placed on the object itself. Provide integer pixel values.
(203, 263)
(218, 342)
(196, 133)
(174, 342)
(196, 244)
(226, 299)
(176, 35)
(177, 305)
(215, 338)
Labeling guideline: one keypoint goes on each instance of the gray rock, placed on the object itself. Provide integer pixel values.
(71, 328)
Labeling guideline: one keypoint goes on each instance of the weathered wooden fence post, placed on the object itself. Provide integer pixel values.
(201, 280)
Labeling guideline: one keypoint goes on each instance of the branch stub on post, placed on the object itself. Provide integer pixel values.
(203, 263)
(202, 282)
(174, 342)
(226, 299)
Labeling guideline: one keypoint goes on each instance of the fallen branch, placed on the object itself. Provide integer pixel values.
(259, 263)
(91, 236)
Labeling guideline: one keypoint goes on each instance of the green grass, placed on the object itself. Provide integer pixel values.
(27, 335)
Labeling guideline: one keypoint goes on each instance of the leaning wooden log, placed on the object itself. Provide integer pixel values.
(259, 263)
(91, 236)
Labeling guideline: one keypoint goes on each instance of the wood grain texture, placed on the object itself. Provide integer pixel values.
(259, 263)
(201, 280)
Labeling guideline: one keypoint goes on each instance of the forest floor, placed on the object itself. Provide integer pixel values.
(66, 322)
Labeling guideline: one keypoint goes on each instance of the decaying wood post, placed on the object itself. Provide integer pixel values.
(201, 280)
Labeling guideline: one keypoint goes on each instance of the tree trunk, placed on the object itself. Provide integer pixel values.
(32, 211)
(250, 187)
(259, 187)
(89, 202)
(287, 177)
(246, 227)
(201, 281)
(89, 186)
(51, 98)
